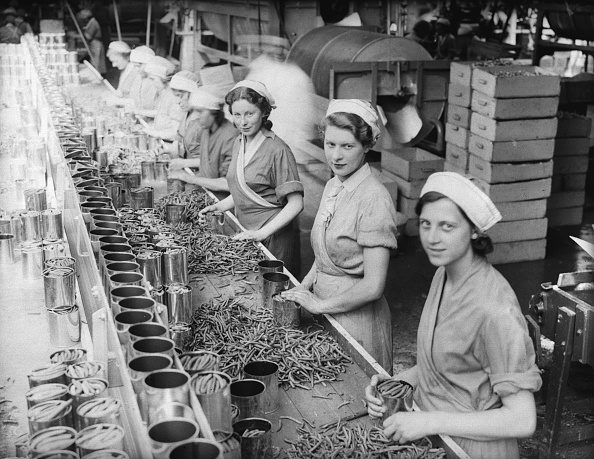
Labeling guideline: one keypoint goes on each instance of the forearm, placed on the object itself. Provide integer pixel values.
(226, 204)
(214, 184)
(310, 277)
(284, 217)
(351, 298)
(411, 376)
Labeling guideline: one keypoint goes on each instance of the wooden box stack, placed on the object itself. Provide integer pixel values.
(508, 148)
(409, 169)
(565, 206)
(457, 128)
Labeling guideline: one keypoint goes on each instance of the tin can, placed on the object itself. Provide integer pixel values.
(35, 199)
(52, 227)
(59, 287)
(142, 197)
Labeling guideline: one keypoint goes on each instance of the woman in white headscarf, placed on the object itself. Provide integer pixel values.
(476, 372)
(143, 92)
(352, 235)
(118, 53)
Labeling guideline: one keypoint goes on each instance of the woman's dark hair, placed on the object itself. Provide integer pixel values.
(352, 123)
(253, 98)
(422, 28)
(482, 245)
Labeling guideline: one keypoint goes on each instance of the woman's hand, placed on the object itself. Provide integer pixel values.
(375, 406)
(405, 426)
(207, 209)
(179, 175)
(256, 236)
(177, 164)
(306, 299)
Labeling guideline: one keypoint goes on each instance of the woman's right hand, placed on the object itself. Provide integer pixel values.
(375, 406)
(207, 209)
(177, 163)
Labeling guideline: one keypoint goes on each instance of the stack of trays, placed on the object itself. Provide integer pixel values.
(565, 206)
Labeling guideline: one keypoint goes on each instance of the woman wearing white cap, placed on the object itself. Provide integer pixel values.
(476, 372)
(263, 178)
(167, 113)
(118, 53)
(352, 235)
(143, 92)
(214, 147)
(182, 84)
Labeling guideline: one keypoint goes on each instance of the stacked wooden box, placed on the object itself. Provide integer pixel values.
(510, 147)
(565, 206)
(409, 169)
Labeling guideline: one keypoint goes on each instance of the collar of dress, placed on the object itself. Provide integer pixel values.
(357, 178)
(265, 133)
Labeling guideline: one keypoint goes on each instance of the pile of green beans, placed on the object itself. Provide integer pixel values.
(240, 334)
(356, 441)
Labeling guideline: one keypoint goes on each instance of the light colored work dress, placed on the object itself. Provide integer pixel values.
(92, 32)
(474, 350)
(216, 150)
(189, 135)
(128, 78)
(168, 116)
(361, 215)
(271, 174)
(144, 93)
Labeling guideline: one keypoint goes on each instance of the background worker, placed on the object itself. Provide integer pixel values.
(118, 54)
(214, 145)
(143, 92)
(182, 85)
(92, 33)
(352, 235)
(476, 372)
(263, 179)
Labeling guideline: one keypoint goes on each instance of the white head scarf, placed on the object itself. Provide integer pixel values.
(119, 47)
(184, 81)
(141, 55)
(258, 87)
(476, 205)
(205, 99)
(358, 107)
(160, 67)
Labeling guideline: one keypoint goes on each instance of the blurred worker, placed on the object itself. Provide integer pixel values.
(167, 113)
(215, 144)
(182, 85)
(446, 47)
(263, 178)
(476, 372)
(118, 53)
(92, 33)
(21, 22)
(421, 34)
(9, 32)
(352, 235)
(143, 92)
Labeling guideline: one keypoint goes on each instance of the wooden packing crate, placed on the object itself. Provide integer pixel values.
(573, 125)
(505, 83)
(388, 180)
(569, 216)
(449, 167)
(511, 151)
(571, 165)
(411, 163)
(407, 206)
(513, 109)
(568, 146)
(528, 129)
(411, 189)
(459, 95)
(522, 210)
(519, 230)
(459, 116)
(457, 135)
(461, 73)
(516, 191)
(565, 199)
(457, 156)
(514, 252)
(568, 182)
(508, 172)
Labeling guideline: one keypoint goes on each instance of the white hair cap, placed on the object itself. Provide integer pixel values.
(141, 55)
(184, 81)
(357, 107)
(119, 47)
(160, 67)
(258, 87)
(205, 98)
(476, 205)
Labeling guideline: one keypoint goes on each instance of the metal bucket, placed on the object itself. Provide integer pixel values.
(258, 446)
(273, 283)
(140, 367)
(166, 435)
(216, 404)
(152, 345)
(267, 266)
(198, 448)
(124, 320)
(166, 386)
(267, 372)
(175, 265)
(64, 326)
(141, 198)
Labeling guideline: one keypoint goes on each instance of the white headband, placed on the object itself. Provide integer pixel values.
(119, 47)
(184, 81)
(160, 67)
(476, 205)
(357, 107)
(203, 98)
(258, 87)
(141, 55)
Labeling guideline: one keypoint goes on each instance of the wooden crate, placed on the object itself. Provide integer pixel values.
(411, 163)
(459, 116)
(411, 189)
(568, 182)
(522, 210)
(568, 146)
(569, 216)
(519, 230)
(571, 165)
(461, 73)
(516, 191)
(449, 167)
(511, 151)
(514, 252)
(528, 129)
(513, 109)
(573, 125)
(508, 172)
(565, 199)
(457, 156)
(457, 135)
(459, 95)
(407, 206)
(505, 83)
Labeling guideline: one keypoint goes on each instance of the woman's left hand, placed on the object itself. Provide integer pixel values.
(305, 299)
(404, 427)
(178, 174)
(256, 236)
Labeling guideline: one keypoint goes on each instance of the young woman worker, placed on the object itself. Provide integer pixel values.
(143, 91)
(118, 54)
(263, 178)
(475, 371)
(352, 235)
(213, 151)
